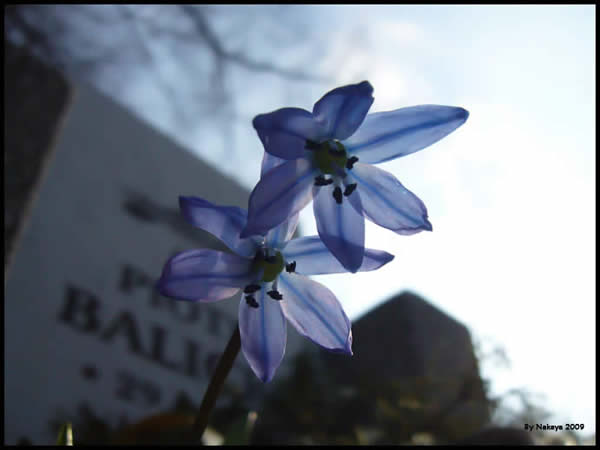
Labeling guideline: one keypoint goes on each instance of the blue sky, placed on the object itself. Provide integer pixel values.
(511, 194)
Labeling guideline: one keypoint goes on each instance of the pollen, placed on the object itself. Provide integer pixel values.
(251, 301)
(349, 189)
(351, 161)
(337, 194)
(275, 295)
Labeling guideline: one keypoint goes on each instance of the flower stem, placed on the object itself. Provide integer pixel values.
(216, 383)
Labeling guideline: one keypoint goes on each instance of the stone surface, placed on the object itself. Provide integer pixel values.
(35, 98)
(87, 338)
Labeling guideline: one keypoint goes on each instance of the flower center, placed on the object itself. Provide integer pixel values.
(272, 265)
(329, 156)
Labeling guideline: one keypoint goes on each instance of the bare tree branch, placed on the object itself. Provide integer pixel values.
(14, 20)
(214, 43)
(177, 49)
(146, 53)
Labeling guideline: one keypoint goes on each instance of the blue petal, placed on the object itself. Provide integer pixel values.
(340, 228)
(224, 222)
(263, 334)
(280, 194)
(386, 202)
(315, 312)
(204, 275)
(388, 135)
(270, 162)
(342, 110)
(277, 237)
(284, 132)
(313, 258)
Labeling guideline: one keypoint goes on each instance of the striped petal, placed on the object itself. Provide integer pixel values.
(312, 257)
(263, 334)
(277, 237)
(341, 228)
(315, 312)
(342, 110)
(388, 135)
(280, 194)
(223, 222)
(204, 275)
(269, 162)
(386, 202)
(284, 132)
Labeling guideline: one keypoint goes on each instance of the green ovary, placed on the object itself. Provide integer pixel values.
(271, 269)
(327, 162)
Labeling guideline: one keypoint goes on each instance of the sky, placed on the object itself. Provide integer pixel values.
(510, 194)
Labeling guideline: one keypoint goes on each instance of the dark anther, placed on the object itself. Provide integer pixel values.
(311, 145)
(337, 194)
(350, 162)
(251, 301)
(291, 267)
(322, 181)
(275, 295)
(349, 189)
(251, 288)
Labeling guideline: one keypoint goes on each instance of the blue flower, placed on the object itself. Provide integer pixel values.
(271, 271)
(327, 155)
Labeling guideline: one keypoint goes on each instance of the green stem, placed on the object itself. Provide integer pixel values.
(216, 383)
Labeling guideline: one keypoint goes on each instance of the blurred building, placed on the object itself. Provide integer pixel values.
(91, 216)
(414, 378)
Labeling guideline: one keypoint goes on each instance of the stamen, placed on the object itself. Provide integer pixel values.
(349, 189)
(337, 194)
(251, 288)
(350, 162)
(322, 181)
(251, 301)
(275, 295)
(291, 267)
(271, 259)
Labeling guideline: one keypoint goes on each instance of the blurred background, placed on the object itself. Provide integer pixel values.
(511, 194)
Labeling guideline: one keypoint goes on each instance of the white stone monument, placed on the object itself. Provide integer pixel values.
(83, 324)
